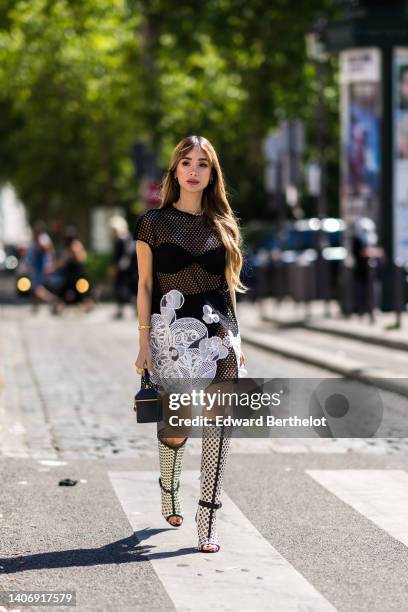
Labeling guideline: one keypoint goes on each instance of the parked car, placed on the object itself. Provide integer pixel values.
(286, 261)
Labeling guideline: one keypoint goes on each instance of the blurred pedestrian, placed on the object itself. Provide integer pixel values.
(39, 261)
(122, 263)
(368, 256)
(71, 267)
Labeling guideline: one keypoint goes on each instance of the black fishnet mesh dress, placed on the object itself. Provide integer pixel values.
(194, 332)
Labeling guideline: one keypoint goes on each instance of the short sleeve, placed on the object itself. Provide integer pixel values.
(144, 229)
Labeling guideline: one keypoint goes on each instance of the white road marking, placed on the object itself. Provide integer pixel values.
(380, 495)
(203, 581)
(327, 446)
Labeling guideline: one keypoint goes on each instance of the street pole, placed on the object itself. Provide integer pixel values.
(387, 161)
(321, 121)
(317, 53)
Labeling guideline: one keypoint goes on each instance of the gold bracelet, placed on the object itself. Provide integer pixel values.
(144, 326)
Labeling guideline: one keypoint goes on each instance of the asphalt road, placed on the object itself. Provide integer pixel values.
(306, 523)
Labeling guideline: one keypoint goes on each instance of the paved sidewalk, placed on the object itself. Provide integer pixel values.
(314, 316)
(282, 329)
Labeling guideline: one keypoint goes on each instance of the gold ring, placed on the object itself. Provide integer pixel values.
(139, 370)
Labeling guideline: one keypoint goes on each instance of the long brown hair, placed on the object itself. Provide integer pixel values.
(214, 204)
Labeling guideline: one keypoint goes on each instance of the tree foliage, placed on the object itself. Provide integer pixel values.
(81, 82)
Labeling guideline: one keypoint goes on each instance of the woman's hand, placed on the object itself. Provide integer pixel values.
(144, 359)
(242, 359)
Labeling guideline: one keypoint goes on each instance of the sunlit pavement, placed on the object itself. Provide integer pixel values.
(306, 523)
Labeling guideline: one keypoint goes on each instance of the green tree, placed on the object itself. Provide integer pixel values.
(69, 87)
(80, 82)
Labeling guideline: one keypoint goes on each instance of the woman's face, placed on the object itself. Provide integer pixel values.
(194, 171)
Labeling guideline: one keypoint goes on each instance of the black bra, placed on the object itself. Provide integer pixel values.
(172, 258)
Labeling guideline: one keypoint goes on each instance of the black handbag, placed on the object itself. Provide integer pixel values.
(148, 402)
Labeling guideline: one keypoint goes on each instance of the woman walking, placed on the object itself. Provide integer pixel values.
(189, 259)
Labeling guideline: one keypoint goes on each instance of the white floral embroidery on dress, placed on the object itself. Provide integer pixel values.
(181, 348)
(230, 339)
(235, 342)
(208, 315)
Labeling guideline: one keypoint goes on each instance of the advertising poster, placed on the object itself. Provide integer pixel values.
(400, 199)
(360, 77)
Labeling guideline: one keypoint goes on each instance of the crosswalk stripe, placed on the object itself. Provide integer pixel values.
(323, 446)
(379, 495)
(204, 581)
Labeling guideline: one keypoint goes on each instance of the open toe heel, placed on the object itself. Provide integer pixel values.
(171, 459)
(175, 503)
(206, 525)
(215, 449)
